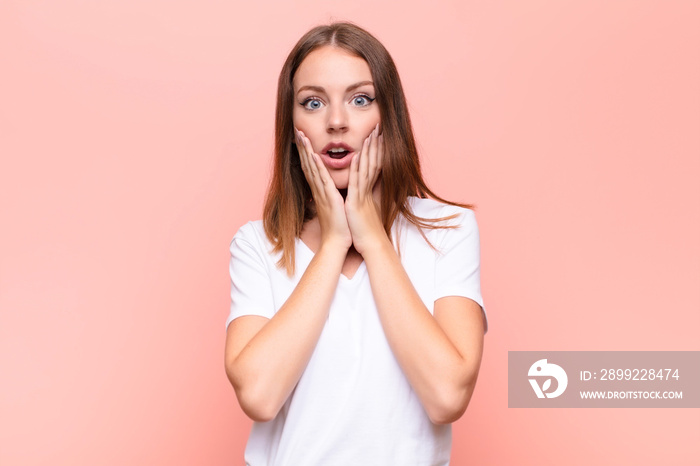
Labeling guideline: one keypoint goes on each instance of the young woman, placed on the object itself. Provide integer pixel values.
(356, 325)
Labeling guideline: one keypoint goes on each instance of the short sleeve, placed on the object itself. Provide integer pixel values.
(457, 268)
(251, 291)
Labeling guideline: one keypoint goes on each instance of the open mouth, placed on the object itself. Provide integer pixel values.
(337, 156)
(337, 153)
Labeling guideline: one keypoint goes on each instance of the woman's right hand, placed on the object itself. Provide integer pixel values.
(330, 205)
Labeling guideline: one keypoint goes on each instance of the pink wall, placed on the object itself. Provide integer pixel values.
(136, 139)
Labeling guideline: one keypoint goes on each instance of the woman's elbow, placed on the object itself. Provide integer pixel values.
(448, 409)
(254, 404)
(450, 403)
(255, 407)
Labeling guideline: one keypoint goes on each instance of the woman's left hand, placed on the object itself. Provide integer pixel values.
(361, 204)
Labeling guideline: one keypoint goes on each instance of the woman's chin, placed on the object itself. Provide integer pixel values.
(341, 183)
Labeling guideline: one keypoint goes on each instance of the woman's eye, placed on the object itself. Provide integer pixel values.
(361, 100)
(312, 104)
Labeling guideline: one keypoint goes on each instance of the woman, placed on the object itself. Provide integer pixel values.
(356, 326)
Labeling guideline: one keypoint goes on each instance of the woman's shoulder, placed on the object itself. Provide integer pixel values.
(434, 209)
(252, 233)
(252, 227)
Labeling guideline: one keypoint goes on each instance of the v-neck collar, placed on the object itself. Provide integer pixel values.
(301, 245)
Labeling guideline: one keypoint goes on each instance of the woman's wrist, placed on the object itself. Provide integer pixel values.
(378, 248)
(334, 245)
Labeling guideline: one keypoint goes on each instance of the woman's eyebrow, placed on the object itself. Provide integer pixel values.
(360, 84)
(320, 89)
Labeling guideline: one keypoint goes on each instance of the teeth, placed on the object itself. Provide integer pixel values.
(337, 149)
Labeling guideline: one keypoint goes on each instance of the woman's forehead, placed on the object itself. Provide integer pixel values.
(331, 67)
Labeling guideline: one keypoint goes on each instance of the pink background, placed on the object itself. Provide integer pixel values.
(136, 139)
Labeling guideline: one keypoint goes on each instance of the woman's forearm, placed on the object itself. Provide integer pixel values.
(265, 370)
(441, 375)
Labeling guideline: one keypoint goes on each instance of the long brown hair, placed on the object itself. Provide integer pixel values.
(287, 204)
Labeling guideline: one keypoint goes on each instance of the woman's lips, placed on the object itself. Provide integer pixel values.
(337, 164)
(335, 159)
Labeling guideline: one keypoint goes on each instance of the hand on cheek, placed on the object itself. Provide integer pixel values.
(362, 211)
(328, 201)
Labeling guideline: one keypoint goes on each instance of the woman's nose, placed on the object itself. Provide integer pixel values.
(337, 118)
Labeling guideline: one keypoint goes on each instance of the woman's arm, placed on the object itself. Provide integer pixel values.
(440, 353)
(266, 357)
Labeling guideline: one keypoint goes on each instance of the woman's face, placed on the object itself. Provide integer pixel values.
(334, 107)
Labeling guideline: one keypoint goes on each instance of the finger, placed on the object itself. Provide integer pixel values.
(354, 169)
(302, 154)
(373, 149)
(362, 166)
(313, 169)
(379, 159)
(364, 162)
(308, 166)
(321, 169)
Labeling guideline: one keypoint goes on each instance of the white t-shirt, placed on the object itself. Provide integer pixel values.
(353, 405)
